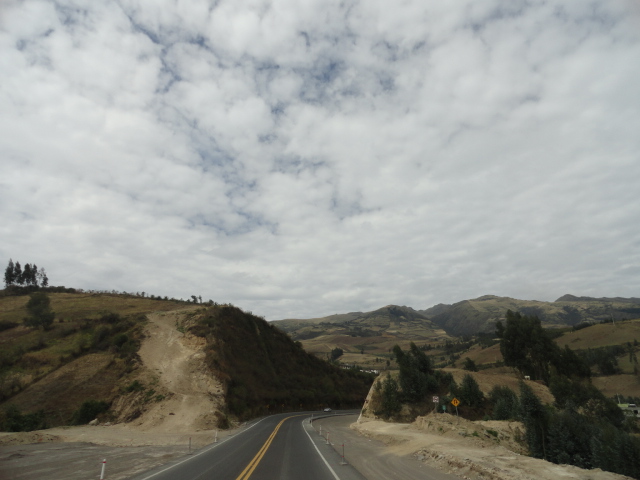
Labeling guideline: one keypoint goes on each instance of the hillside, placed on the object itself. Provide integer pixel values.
(389, 319)
(145, 359)
(480, 315)
(621, 339)
(264, 371)
(89, 350)
(442, 322)
(365, 337)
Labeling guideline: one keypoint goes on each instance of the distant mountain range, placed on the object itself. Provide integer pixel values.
(466, 317)
(391, 320)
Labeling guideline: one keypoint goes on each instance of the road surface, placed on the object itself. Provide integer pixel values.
(282, 447)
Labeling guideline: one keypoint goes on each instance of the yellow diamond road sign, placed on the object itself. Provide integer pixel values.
(455, 402)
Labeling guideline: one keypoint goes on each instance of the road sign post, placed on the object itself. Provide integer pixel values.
(455, 402)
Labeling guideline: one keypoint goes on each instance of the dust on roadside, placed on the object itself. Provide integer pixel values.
(80, 461)
(471, 450)
(77, 453)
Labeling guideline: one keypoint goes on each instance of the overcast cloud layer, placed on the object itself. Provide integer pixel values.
(303, 158)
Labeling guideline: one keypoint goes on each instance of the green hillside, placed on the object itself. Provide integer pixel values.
(88, 356)
(265, 371)
(87, 353)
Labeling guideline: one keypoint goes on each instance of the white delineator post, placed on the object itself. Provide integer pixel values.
(327, 438)
(104, 464)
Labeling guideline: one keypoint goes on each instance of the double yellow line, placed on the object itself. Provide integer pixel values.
(246, 473)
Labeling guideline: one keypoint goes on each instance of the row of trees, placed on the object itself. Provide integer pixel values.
(583, 427)
(15, 274)
(416, 381)
(527, 346)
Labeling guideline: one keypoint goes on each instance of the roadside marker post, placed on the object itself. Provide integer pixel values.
(343, 462)
(189, 445)
(216, 439)
(328, 443)
(320, 430)
(104, 464)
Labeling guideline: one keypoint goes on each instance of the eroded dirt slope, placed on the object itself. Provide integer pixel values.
(175, 362)
(183, 405)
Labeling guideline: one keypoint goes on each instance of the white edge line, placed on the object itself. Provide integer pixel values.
(318, 450)
(203, 452)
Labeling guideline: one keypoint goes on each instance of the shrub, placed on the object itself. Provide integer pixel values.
(111, 318)
(134, 386)
(470, 393)
(223, 421)
(40, 311)
(88, 411)
(505, 402)
(13, 421)
(119, 340)
(100, 338)
(470, 365)
(389, 398)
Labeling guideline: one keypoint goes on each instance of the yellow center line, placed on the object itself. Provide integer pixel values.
(246, 473)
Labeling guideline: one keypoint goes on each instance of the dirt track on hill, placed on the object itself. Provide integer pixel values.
(177, 360)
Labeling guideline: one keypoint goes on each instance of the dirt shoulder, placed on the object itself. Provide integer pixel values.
(473, 450)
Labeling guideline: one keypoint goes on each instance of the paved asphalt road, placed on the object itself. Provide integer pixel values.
(282, 447)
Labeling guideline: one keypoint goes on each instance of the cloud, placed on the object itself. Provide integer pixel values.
(305, 158)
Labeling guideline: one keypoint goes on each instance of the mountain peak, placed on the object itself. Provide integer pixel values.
(568, 298)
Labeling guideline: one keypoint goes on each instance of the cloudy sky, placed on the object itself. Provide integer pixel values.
(310, 157)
